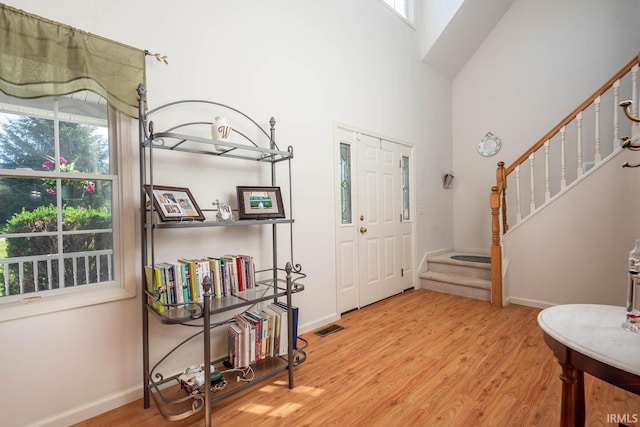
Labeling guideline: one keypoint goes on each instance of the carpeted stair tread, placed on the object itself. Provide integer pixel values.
(448, 260)
(456, 279)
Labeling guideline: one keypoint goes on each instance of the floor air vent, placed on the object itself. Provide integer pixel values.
(329, 330)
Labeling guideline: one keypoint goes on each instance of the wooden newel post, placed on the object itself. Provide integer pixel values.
(501, 182)
(496, 249)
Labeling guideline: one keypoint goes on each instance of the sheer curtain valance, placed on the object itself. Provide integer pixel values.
(39, 57)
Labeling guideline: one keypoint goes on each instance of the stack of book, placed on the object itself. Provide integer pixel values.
(259, 334)
(181, 282)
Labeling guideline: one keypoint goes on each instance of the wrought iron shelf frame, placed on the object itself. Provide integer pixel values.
(265, 290)
(176, 406)
(196, 224)
(279, 282)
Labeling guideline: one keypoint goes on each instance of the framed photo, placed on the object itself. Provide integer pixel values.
(174, 203)
(259, 203)
(224, 213)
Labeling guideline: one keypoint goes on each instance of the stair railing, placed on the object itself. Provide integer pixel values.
(568, 142)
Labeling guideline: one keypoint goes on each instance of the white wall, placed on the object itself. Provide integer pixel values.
(307, 63)
(539, 63)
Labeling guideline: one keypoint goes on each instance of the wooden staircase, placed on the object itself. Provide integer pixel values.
(455, 277)
(587, 135)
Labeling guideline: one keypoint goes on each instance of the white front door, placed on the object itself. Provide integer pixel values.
(375, 242)
(378, 219)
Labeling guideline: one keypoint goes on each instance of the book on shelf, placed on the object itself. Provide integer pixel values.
(202, 270)
(216, 277)
(230, 275)
(154, 287)
(183, 271)
(258, 334)
(248, 271)
(245, 326)
(225, 277)
(177, 282)
(180, 282)
(169, 282)
(189, 270)
(261, 350)
(294, 311)
(272, 330)
(256, 328)
(283, 343)
(197, 270)
(256, 320)
(239, 271)
(233, 341)
(252, 342)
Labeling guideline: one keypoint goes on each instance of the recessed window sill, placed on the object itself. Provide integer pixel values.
(44, 302)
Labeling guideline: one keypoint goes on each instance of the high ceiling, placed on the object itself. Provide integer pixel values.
(464, 33)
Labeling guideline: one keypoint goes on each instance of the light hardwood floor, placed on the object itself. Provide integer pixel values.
(417, 359)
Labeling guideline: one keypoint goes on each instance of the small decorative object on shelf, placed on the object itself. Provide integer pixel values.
(220, 129)
(192, 380)
(632, 323)
(224, 213)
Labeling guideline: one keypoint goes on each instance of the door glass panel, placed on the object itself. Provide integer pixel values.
(406, 216)
(345, 184)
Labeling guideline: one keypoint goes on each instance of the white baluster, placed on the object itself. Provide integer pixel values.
(579, 129)
(598, 155)
(532, 205)
(616, 119)
(634, 98)
(518, 209)
(547, 189)
(563, 161)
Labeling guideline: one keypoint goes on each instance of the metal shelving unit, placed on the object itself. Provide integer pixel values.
(273, 283)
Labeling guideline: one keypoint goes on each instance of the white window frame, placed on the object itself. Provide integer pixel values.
(410, 9)
(126, 246)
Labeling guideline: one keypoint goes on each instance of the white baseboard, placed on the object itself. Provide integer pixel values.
(529, 302)
(302, 329)
(91, 409)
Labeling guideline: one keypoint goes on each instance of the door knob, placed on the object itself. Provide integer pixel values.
(363, 230)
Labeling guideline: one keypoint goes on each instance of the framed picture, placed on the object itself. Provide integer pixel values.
(259, 203)
(174, 203)
(224, 213)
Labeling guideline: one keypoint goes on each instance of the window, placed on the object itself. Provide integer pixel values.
(403, 7)
(67, 228)
(58, 182)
